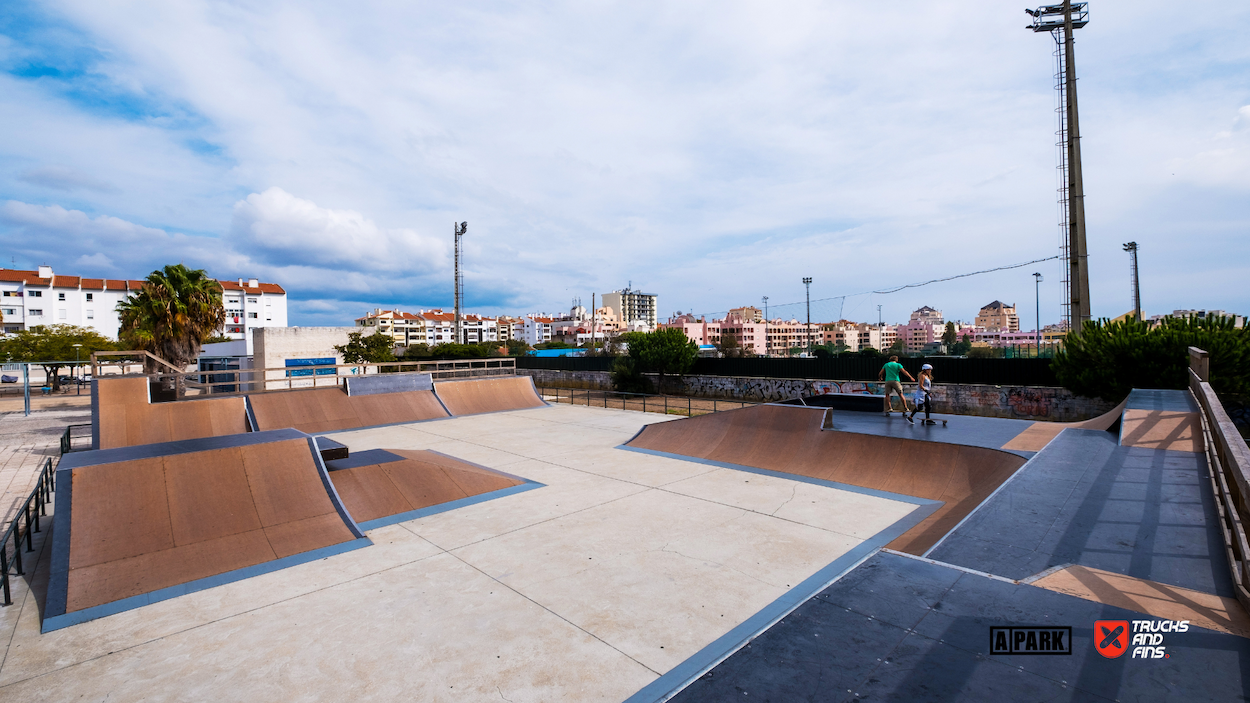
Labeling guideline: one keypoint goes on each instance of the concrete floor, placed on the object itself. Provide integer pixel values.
(619, 569)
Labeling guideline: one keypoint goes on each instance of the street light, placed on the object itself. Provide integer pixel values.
(77, 370)
(1037, 293)
(807, 281)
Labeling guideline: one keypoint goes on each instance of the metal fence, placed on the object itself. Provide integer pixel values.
(20, 533)
(684, 405)
(997, 372)
(72, 433)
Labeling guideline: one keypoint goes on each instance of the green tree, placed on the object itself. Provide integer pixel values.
(730, 348)
(518, 347)
(898, 347)
(667, 352)
(51, 344)
(1108, 359)
(375, 348)
(869, 352)
(962, 347)
(949, 335)
(171, 316)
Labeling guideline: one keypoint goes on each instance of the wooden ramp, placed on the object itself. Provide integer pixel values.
(488, 395)
(142, 524)
(1038, 435)
(318, 410)
(123, 416)
(789, 439)
(381, 487)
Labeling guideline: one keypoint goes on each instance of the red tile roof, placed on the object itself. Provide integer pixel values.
(65, 281)
(93, 284)
(111, 284)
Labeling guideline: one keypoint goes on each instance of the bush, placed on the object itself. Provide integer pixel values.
(627, 376)
(1108, 359)
(665, 352)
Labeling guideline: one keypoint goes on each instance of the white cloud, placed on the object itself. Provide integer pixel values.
(298, 232)
(709, 152)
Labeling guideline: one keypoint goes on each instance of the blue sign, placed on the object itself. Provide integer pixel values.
(311, 362)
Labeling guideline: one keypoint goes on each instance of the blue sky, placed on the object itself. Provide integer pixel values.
(711, 153)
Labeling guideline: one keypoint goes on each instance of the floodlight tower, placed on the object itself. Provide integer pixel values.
(459, 229)
(766, 308)
(1131, 248)
(1060, 20)
(807, 281)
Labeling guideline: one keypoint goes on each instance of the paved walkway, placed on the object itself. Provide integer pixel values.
(25, 443)
(622, 567)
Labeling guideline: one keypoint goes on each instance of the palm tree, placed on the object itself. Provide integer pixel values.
(176, 310)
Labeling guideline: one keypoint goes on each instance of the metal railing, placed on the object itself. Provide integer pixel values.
(220, 382)
(35, 507)
(68, 437)
(644, 402)
(1228, 467)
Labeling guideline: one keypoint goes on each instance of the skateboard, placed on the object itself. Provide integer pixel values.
(933, 422)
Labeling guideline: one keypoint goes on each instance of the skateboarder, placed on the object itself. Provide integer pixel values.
(923, 387)
(890, 373)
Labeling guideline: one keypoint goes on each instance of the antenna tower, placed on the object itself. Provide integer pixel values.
(459, 229)
(1060, 21)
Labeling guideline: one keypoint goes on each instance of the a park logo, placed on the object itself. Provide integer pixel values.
(1111, 637)
(1031, 640)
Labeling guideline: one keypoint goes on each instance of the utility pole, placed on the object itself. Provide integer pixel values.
(1060, 20)
(807, 282)
(1131, 248)
(459, 230)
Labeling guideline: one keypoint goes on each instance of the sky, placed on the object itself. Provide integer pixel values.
(711, 153)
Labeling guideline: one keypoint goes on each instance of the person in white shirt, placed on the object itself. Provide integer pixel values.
(924, 386)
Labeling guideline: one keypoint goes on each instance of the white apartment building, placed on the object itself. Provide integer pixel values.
(431, 327)
(533, 330)
(32, 298)
(633, 307)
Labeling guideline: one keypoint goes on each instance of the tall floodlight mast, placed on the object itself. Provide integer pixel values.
(1060, 20)
(1131, 248)
(460, 230)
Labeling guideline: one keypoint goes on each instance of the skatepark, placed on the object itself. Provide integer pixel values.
(405, 537)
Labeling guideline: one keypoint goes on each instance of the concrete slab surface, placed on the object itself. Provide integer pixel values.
(901, 629)
(589, 588)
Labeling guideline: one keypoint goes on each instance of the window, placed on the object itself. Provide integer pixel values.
(35, 312)
(251, 301)
(91, 314)
(35, 293)
(61, 314)
(251, 316)
(90, 297)
(13, 294)
(60, 296)
(9, 311)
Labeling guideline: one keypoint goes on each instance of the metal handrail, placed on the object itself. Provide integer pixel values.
(232, 382)
(67, 439)
(36, 506)
(660, 405)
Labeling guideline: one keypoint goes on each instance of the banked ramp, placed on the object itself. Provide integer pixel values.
(488, 395)
(384, 399)
(124, 416)
(790, 439)
(142, 524)
(384, 486)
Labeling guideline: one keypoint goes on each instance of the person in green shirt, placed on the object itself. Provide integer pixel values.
(890, 373)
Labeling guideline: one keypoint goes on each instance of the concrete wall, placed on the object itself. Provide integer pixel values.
(272, 346)
(1019, 402)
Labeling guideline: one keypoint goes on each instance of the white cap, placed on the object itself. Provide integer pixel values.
(927, 367)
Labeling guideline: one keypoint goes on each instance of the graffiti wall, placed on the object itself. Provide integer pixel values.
(1019, 402)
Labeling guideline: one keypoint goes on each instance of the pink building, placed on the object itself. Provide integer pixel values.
(752, 336)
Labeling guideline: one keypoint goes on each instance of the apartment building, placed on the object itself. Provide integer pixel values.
(746, 314)
(533, 330)
(999, 316)
(751, 336)
(403, 327)
(632, 307)
(784, 335)
(41, 297)
(856, 336)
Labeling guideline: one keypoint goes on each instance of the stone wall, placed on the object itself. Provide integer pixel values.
(1019, 402)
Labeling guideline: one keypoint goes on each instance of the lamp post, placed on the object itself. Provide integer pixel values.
(807, 281)
(77, 370)
(1037, 297)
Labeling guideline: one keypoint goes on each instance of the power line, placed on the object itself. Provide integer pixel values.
(909, 285)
